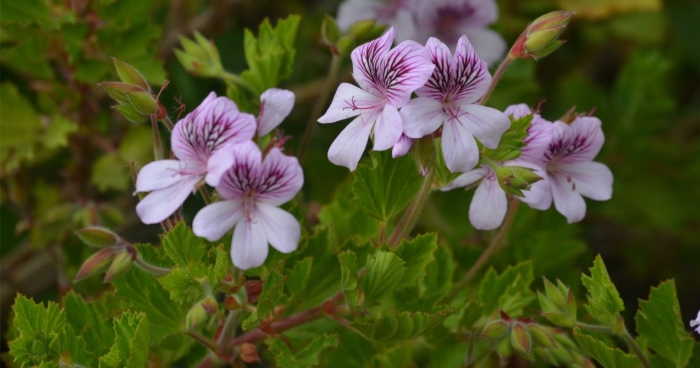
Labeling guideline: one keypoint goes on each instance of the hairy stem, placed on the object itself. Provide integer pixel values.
(410, 216)
(228, 332)
(157, 143)
(320, 104)
(209, 343)
(205, 195)
(490, 250)
(496, 77)
(142, 264)
(168, 123)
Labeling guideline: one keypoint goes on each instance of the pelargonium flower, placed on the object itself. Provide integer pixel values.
(448, 20)
(387, 77)
(251, 191)
(200, 142)
(696, 323)
(570, 170)
(275, 105)
(449, 100)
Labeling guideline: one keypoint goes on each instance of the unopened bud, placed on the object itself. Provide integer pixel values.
(345, 45)
(195, 316)
(143, 102)
(200, 58)
(232, 303)
(542, 36)
(253, 288)
(118, 91)
(558, 304)
(95, 263)
(360, 29)
(495, 330)
(97, 237)
(248, 353)
(504, 348)
(330, 32)
(541, 336)
(121, 263)
(129, 74)
(520, 338)
(514, 179)
(210, 305)
(130, 113)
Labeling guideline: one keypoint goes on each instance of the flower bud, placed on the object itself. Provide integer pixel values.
(130, 113)
(253, 289)
(210, 305)
(542, 36)
(345, 45)
(494, 330)
(504, 348)
(361, 29)
(118, 91)
(195, 316)
(558, 304)
(97, 237)
(232, 302)
(249, 354)
(128, 74)
(330, 32)
(121, 263)
(95, 263)
(143, 102)
(541, 336)
(520, 338)
(200, 58)
(514, 179)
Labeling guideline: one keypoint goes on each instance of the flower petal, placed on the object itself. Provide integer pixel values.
(488, 44)
(236, 181)
(591, 179)
(163, 173)
(213, 124)
(489, 206)
(402, 146)
(404, 69)
(350, 101)
(351, 11)
(539, 135)
(421, 116)
(161, 203)
(249, 245)
(458, 147)
(518, 111)
(581, 141)
(485, 123)
(387, 129)
(348, 147)
(566, 199)
(275, 105)
(443, 76)
(281, 228)
(216, 219)
(280, 179)
(366, 60)
(471, 75)
(466, 179)
(219, 162)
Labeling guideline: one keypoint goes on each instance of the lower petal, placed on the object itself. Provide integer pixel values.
(567, 200)
(593, 179)
(249, 245)
(489, 206)
(160, 204)
(387, 129)
(421, 116)
(458, 147)
(466, 179)
(218, 163)
(214, 220)
(160, 174)
(485, 123)
(402, 146)
(281, 228)
(348, 147)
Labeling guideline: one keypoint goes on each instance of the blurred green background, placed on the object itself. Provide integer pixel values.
(66, 157)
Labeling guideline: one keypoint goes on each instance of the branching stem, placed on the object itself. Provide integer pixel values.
(496, 77)
(410, 216)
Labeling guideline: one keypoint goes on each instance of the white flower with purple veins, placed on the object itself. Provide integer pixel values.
(200, 142)
(387, 77)
(448, 20)
(568, 161)
(251, 191)
(275, 106)
(696, 323)
(449, 100)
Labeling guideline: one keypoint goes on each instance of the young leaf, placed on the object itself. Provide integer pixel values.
(348, 276)
(659, 322)
(396, 326)
(387, 187)
(608, 357)
(298, 277)
(37, 327)
(343, 220)
(309, 356)
(88, 322)
(439, 274)
(604, 302)
(272, 293)
(182, 287)
(182, 246)
(131, 342)
(508, 291)
(384, 271)
(511, 141)
(19, 128)
(417, 253)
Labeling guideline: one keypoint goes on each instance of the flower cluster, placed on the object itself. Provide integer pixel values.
(561, 154)
(419, 20)
(213, 145)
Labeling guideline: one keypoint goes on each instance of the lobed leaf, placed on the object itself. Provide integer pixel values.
(604, 303)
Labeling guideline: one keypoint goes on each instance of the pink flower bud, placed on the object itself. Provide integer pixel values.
(97, 237)
(95, 263)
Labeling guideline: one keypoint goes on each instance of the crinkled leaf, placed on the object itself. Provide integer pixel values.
(604, 303)
(387, 187)
(383, 273)
(298, 277)
(607, 356)
(396, 326)
(309, 356)
(19, 128)
(439, 273)
(348, 276)
(512, 140)
(26, 11)
(56, 134)
(343, 220)
(182, 246)
(182, 287)
(131, 342)
(659, 322)
(272, 293)
(417, 253)
(38, 327)
(88, 321)
(509, 291)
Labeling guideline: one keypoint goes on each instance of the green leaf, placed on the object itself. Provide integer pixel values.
(343, 220)
(439, 274)
(607, 356)
(56, 134)
(131, 342)
(88, 322)
(298, 277)
(272, 293)
(309, 356)
(604, 303)
(396, 326)
(181, 286)
(19, 129)
(387, 187)
(348, 276)
(417, 253)
(511, 141)
(37, 328)
(182, 246)
(659, 322)
(508, 291)
(383, 272)
(143, 293)
(26, 12)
